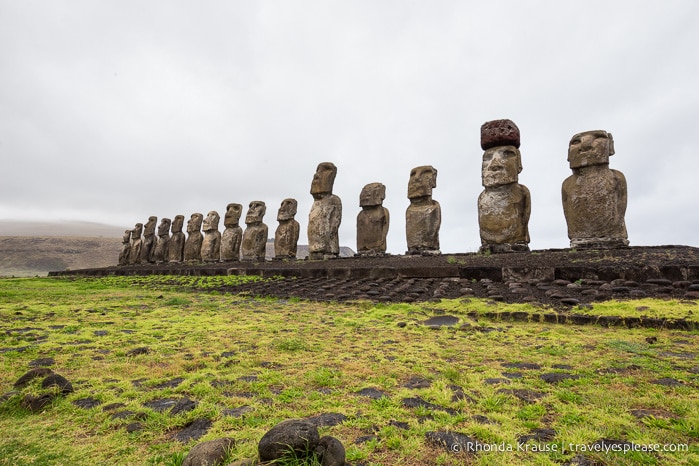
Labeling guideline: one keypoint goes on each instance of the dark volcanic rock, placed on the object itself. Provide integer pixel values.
(209, 453)
(193, 430)
(292, 435)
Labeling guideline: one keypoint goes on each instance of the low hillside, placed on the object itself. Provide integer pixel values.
(38, 255)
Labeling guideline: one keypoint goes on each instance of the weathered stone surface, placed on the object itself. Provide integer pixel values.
(286, 237)
(499, 133)
(194, 430)
(161, 252)
(254, 244)
(32, 374)
(423, 217)
(148, 240)
(125, 249)
(57, 380)
(209, 453)
(136, 244)
(504, 207)
(192, 246)
(372, 221)
(299, 437)
(233, 234)
(594, 196)
(37, 403)
(177, 240)
(330, 451)
(211, 245)
(325, 216)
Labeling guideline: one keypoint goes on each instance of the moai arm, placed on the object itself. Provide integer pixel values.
(621, 192)
(527, 200)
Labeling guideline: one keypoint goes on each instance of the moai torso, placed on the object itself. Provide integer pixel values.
(325, 216)
(233, 234)
(423, 217)
(500, 215)
(211, 245)
(594, 196)
(125, 248)
(323, 226)
(136, 243)
(192, 245)
(372, 221)
(254, 243)
(148, 240)
(286, 236)
(504, 206)
(176, 245)
(160, 253)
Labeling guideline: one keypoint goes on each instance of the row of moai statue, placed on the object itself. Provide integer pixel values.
(594, 204)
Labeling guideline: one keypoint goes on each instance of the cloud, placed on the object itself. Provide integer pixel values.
(114, 111)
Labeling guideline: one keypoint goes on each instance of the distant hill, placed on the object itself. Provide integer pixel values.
(36, 248)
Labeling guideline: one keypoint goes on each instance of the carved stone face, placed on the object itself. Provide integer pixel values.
(137, 231)
(422, 180)
(590, 148)
(211, 221)
(149, 227)
(194, 223)
(324, 178)
(164, 227)
(233, 213)
(177, 223)
(287, 210)
(256, 211)
(501, 166)
(127, 236)
(372, 194)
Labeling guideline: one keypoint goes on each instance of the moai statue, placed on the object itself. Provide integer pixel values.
(372, 221)
(254, 244)
(325, 216)
(175, 247)
(594, 196)
(211, 246)
(160, 252)
(286, 237)
(505, 205)
(148, 240)
(233, 234)
(424, 215)
(125, 248)
(136, 245)
(192, 246)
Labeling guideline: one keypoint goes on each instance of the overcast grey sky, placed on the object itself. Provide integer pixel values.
(111, 111)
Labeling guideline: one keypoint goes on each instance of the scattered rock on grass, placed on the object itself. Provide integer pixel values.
(209, 453)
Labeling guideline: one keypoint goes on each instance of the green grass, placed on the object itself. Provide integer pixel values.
(292, 359)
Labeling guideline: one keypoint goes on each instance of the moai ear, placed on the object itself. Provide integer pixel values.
(611, 143)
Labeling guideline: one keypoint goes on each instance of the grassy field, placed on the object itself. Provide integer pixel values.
(548, 392)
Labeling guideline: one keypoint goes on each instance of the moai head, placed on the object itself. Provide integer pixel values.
(127, 237)
(164, 227)
(287, 210)
(323, 179)
(372, 194)
(137, 231)
(149, 227)
(256, 211)
(501, 166)
(194, 223)
(233, 213)
(590, 148)
(502, 162)
(422, 180)
(211, 221)
(177, 224)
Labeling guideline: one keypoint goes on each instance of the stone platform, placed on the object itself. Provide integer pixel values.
(557, 278)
